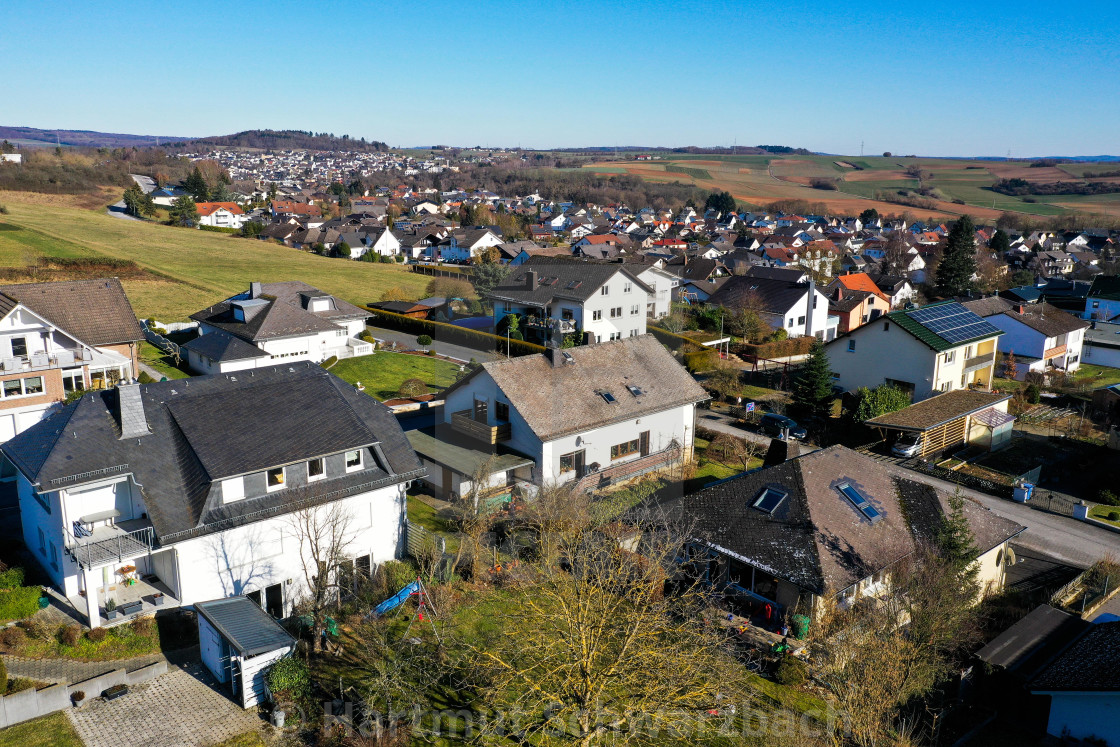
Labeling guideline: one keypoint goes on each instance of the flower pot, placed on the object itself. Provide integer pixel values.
(115, 692)
(112, 614)
(158, 600)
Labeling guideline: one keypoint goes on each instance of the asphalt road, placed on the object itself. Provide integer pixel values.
(117, 209)
(459, 352)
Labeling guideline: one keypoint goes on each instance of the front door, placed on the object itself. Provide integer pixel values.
(480, 410)
(643, 443)
(579, 463)
(446, 483)
(274, 600)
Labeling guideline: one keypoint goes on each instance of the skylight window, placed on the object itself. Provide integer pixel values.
(636, 391)
(607, 397)
(860, 502)
(769, 500)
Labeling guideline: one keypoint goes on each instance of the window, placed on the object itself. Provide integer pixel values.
(860, 502)
(353, 460)
(790, 325)
(633, 333)
(315, 470)
(624, 449)
(607, 397)
(13, 388)
(42, 542)
(20, 387)
(274, 478)
(54, 556)
(72, 380)
(800, 320)
(597, 315)
(605, 290)
(616, 312)
(950, 356)
(568, 462)
(34, 385)
(501, 411)
(769, 500)
(627, 287)
(635, 309)
(19, 347)
(851, 346)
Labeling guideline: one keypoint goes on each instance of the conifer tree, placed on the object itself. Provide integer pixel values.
(958, 262)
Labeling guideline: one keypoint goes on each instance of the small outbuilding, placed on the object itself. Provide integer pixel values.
(239, 641)
(962, 416)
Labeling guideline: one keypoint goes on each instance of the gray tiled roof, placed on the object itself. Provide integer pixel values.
(286, 313)
(1041, 317)
(210, 427)
(559, 279)
(1092, 663)
(97, 311)
(774, 296)
(222, 347)
(565, 399)
(248, 628)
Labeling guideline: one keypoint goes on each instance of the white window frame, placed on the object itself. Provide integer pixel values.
(346, 458)
(322, 469)
(280, 485)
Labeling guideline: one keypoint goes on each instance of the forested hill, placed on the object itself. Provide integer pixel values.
(34, 137)
(286, 140)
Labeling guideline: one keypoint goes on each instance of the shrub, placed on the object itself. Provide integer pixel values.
(672, 340)
(70, 635)
(413, 388)
(791, 672)
(144, 378)
(701, 360)
(385, 259)
(431, 352)
(1108, 498)
(144, 626)
(291, 677)
(17, 604)
(424, 340)
(219, 229)
(78, 696)
(397, 574)
(329, 361)
(12, 637)
(1114, 515)
(36, 629)
(1033, 394)
(96, 635)
(11, 578)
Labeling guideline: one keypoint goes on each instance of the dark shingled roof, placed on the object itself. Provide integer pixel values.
(1033, 641)
(774, 296)
(1092, 663)
(816, 538)
(97, 312)
(221, 347)
(210, 427)
(939, 409)
(283, 313)
(560, 279)
(248, 628)
(1106, 287)
(1041, 317)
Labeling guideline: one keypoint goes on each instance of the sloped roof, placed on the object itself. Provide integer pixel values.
(906, 320)
(560, 279)
(284, 313)
(939, 409)
(1032, 641)
(97, 312)
(1092, 663)
(774, 296)
(861, 281)
(1106, 287)
(248, 628)
(565, 399)
(221, 347)
(209, 208)
(1048, 320)
(210, 427)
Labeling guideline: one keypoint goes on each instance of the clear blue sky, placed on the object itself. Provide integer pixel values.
(950, 78)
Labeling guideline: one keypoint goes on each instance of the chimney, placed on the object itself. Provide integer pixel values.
(254, 290)
(531, 280)
(812, 306)
(552, 346)
(781, 451)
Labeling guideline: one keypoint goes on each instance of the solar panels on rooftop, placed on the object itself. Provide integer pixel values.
(953, 323)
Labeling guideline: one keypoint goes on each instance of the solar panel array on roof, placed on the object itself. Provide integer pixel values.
(953, 322)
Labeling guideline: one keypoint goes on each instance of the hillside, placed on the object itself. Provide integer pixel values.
(286, 140)
(34, 137)
(168, 272)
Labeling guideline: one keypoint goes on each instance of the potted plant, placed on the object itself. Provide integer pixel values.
(77, 697)
(157, 599)
(115, 692)
(111, 611)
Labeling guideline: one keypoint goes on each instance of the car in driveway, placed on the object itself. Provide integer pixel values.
(778, 426)
(907, 445)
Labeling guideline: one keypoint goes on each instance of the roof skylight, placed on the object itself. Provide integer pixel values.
(860, 502)
(769, 500)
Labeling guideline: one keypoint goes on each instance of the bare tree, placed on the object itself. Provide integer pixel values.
(896, 254)
(323, 534)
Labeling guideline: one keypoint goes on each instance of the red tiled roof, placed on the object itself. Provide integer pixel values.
(209, 208)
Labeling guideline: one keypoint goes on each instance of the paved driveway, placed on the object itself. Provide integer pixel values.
(182, 707)
(460, 352)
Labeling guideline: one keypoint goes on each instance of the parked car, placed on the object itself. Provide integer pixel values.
(773, 424)
(907, 445)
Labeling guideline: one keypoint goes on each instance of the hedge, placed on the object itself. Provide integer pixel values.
(673, 340)
(452, 334)
(20, 603)
(701, 360)
(219, 229)
(777, 349)
(11, 578)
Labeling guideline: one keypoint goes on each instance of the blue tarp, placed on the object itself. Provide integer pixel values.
(397, 599)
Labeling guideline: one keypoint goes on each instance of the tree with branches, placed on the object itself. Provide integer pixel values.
(322, 534)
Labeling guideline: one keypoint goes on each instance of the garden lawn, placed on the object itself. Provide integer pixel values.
(155, 358)
(1100, 513)
(383, 373)
(50, 731)
(1097, 376)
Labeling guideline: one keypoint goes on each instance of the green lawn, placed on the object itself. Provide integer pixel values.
(1097, 376)
(160, 361)
(50, 731)
(383, 373)
(183, 270)
(1100, 513)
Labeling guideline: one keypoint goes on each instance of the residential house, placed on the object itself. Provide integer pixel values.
(1041, 336)
(1103, 301)
(898, 289)
(600, 301)
(829, 525)
(1082, 683)
(197, 483)
(601, 412)
(220, 214)
(466, 244)
(288, 321)
(57, 339)
(663, 283)
(856, 300)
(791, 301)
(166, 195)
(935, 348)
(381, 241)
(1101, 346)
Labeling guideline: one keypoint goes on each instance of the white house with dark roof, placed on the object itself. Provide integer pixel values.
(183, 491)
(1040, 335)
(601, 301)
(285, 322)
(599, 413)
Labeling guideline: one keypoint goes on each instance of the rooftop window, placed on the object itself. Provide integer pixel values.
(769, 500)
(607, 397)
(860, 502)
(636, 391)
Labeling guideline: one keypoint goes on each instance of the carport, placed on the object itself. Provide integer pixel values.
(964, 416)
(239, 641)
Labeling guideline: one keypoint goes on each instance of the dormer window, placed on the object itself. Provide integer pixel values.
(275, 478)
(315, 470)
(353, 460)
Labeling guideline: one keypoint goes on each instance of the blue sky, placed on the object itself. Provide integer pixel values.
(955, 78)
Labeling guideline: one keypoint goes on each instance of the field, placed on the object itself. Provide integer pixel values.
(760, 180)
(178, 271)
(50, 731)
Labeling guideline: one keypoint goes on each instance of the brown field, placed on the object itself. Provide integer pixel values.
(93, 201)
(871, 175)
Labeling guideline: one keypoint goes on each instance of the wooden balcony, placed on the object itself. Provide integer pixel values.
(464, 423)
(1054, 352)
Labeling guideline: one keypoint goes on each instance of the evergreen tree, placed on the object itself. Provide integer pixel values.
(1000, 243)
(812, 392)
(724, 202)
(196, 186)
(183, 212)
(955, 542)
(133, 198)
(870, 215)
(958, 262)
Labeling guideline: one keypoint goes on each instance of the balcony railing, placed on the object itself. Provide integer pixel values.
(464, 423)
(43, 361)
(110, 544)
(567, 326)
(980, 361)
(1054, 352)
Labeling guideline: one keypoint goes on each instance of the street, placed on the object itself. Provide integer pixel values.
(458, 352)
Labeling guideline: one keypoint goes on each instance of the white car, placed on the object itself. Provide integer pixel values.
(907, 445)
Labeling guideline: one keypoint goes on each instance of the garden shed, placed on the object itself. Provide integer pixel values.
(239, 641)
(946, 421)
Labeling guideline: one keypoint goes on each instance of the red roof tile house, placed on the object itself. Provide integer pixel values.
(220, 214)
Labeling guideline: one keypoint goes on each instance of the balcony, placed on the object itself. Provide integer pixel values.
(44, 361)
(1054, 352)
(979, 362)
(464, 423)
(111, 543)
(567, 326)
